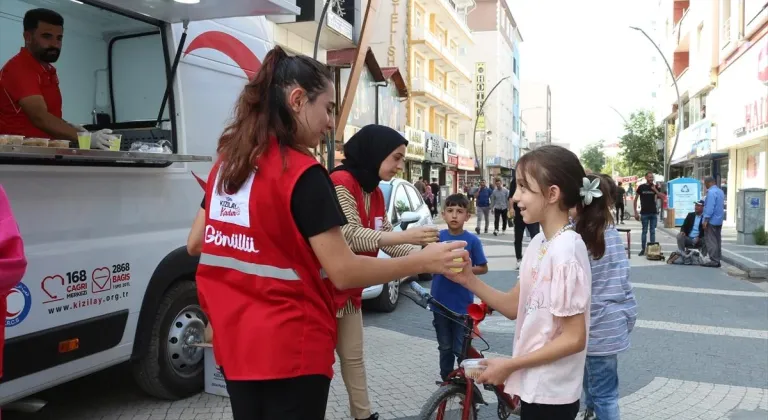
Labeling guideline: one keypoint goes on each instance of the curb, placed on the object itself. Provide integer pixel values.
(752, 272)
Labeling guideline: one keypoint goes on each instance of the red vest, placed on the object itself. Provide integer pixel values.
(368, 220)
(270, 305)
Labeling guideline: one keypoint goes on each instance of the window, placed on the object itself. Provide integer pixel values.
(104, 74)
(454, 48)
(418, 20)
(453, 89)
(402, 204)
(727, 22)
(454, 128)
(417, 68)
(440, 80)
(440, 125)
(441, 37)
(419, 123)
(414, 195)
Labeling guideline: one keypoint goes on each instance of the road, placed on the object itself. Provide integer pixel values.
(699, 351)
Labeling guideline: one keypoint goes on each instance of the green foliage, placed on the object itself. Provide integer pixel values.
(639, 150)
(593, 157)
(760, 235)
(615, 164)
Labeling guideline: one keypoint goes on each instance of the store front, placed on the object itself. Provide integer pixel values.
(434, 158)
(465, 165)
(414, 154)
(451, 152)
(743, 117)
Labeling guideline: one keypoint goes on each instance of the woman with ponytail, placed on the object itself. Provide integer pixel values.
(273, 251)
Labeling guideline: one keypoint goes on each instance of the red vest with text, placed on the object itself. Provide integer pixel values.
(262, 287)
(368, 220)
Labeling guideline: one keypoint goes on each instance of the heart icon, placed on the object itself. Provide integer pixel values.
(101, 280)
(53, 286)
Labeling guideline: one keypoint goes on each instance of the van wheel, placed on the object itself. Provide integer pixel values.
(173, 367)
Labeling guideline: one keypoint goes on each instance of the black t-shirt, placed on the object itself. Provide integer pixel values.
(620, 196)
(314, 204)
(647, 199)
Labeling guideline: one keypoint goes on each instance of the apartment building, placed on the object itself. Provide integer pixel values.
(428, 41)
(718, 50)
(536, 113)
(496, 58)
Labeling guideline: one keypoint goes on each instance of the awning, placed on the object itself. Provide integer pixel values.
(174, 11)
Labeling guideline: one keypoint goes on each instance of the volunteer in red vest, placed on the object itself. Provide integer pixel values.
(30, 99)
(273, 251)
(374, 153)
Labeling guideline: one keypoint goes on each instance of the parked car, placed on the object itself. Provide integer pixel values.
(405, 208)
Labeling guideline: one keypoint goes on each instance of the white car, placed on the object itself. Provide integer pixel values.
(405, 208)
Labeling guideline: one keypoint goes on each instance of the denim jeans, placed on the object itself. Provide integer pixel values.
(450, 335)
(601, 386)
(648, 219)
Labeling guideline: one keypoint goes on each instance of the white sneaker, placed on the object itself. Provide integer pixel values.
(517, 266)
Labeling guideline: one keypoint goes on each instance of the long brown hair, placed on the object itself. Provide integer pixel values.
(555, 165)
(262, 110)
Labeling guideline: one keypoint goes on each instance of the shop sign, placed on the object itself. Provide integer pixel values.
(756, 109)
(494, 161)
(451, 152)
(434, 148)
(700, 136)
(466, 163)
(416, 149)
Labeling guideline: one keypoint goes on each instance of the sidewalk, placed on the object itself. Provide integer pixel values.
(752, 259)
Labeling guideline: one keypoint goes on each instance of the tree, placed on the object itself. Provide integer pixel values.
(593, 157)
(639, 150)
(615, 165)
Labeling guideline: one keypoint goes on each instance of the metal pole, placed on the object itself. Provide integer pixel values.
(679, 106)
(330, 143)
(474, 132)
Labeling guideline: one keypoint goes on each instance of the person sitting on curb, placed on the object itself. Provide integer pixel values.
(690, 235)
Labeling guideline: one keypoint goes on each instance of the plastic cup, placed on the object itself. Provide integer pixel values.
(459, 259)
(114, 143)
(472, 368)
(84, 140)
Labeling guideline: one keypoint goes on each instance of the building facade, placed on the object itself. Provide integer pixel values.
(496, 58)
(427, 40)
(537, 113)
(718, 50)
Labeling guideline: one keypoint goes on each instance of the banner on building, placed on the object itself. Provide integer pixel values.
(480, 95)
(416, 147)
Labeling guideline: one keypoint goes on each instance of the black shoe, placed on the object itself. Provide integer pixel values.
(374, 416)
(642, 252)
(477, 230)
(486, 231)
(711, 264)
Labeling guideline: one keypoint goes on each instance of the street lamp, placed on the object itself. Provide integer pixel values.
(474, 132)
(620, 114)
(679, 106)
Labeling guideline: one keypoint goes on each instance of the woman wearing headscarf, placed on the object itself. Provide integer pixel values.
(373, 154)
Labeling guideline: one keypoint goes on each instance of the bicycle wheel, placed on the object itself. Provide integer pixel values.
(447, 403)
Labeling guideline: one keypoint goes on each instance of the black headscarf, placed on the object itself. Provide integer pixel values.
(366, 150)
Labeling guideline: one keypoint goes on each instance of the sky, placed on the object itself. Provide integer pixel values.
(592, 61)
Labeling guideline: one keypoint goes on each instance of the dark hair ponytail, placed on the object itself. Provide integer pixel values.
(596, 217)
(555, 165)
(262, 109)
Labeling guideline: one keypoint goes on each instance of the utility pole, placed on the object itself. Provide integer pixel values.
(474, 131)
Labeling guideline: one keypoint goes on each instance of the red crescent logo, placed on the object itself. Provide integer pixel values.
(8, 313)
(231, 47)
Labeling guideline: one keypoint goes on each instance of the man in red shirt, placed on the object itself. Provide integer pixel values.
(30, 99)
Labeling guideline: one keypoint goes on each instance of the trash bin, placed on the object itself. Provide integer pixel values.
(750, 214)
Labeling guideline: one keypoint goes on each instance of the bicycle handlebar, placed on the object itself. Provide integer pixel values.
(427, 298)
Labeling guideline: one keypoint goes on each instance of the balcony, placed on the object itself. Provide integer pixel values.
(448, 17)
(681, 33)
(338, 31)
(427, 43)
(427, 92)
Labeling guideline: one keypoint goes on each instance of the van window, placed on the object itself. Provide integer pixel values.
(112, 69)
(401, 204)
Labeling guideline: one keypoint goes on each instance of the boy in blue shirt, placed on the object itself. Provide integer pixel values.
(455, 297)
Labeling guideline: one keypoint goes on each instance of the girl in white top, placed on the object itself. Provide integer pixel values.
(551, 301)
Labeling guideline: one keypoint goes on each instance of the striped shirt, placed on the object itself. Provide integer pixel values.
(614, 309)
(363, 239)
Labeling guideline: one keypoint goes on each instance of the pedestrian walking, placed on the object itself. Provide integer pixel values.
(274, 252)
(619, 203)
(13, 262)
(420, 186)
(373, 154)
(714, 213)
(435, 187)
(483, 198)
(499, 203)
(519, 225)
(551, 301)
(647, 194)
(613, 310)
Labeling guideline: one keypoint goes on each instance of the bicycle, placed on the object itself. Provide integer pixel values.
(458, 383)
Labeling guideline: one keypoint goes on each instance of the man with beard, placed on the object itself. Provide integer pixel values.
(30, 99)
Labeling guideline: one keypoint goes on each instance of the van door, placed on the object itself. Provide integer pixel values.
(176, 11)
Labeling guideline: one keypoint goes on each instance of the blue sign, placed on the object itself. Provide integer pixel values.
(18, 303)
(754, 202)
(683, 193)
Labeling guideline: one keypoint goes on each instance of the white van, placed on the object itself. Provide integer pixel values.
(109, 278)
